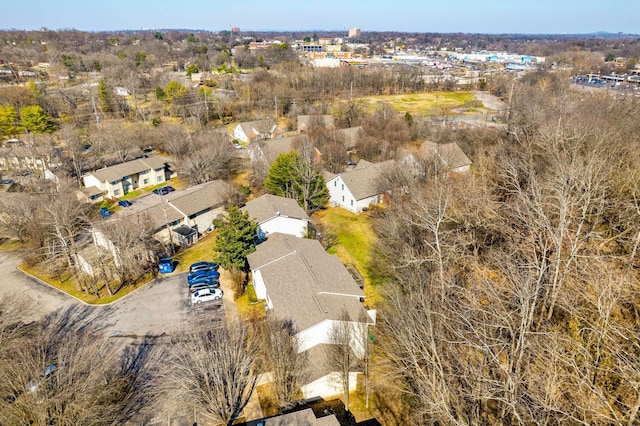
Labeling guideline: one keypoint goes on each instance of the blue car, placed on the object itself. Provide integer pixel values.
(212, 274)
(203, 266)
(166, 265)
(203, 281)
(125, 203)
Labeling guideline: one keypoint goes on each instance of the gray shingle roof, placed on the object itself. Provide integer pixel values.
(257, 127)
(315, 120)
(189, 202)
(365, 180)
(449, 154)
(271, 148)
(118, 171)
(269, 206)
(302, 418)
(305, 284)
(209, 195)
(350, 135)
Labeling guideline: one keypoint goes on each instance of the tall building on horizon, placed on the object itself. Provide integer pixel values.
(354, 32)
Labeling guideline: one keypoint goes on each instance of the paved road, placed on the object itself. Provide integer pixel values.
(38, 299)
(163, 306)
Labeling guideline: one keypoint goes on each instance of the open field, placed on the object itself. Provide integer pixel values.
(425, 104)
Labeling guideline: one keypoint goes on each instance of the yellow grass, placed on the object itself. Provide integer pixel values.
(421, 104)
(67, 284)
(355, 240)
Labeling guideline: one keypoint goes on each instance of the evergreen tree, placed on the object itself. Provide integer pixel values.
(291, 176)
(34, 119)
(104, 97)
(235, 239)
(8, 119)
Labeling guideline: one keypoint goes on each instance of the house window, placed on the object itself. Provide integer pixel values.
(159, 178)
(343, 187)
(145, 181)
(116, 192)
(343, 198)
(352, 202)
(335, 183)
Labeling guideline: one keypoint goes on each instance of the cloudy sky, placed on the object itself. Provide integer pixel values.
(467, 16)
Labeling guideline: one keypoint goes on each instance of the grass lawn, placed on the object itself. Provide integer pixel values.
(421, 104)
(354, 239)
(203, 251)
(67, 284)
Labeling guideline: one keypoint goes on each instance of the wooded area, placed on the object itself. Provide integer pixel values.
(509, 294)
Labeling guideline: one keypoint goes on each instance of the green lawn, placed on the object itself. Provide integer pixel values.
(67, 284)
(203, 251)
(354, 239)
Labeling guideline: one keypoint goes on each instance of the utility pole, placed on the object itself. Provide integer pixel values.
(275, 98)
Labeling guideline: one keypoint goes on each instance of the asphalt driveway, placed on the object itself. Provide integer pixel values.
(160, 307)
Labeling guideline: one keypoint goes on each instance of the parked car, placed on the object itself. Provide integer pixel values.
(125, 203)
(212, 274)
(203, 286)
(161, 191)
(166, 265)
(205, 280)
(203, 266)
(206, 295)
(169, 188)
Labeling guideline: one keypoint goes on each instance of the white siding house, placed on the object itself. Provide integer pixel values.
(278, 214)
(302, 283)
(118, 180)
(359, 188)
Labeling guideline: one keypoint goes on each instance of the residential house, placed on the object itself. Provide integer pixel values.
(22, 157)
(278, 214)
(254, 131)
(120, 179)
(301, 418)
(446, 157)
(181, 216)
(350, 136)
(302, 283)
(264, 153)
(306, 122)
(357, 189)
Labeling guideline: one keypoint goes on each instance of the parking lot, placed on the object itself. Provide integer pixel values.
(162, 307)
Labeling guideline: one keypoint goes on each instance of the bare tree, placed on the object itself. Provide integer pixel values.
(215, 369)
(62, 374)
(282, 358)
(340, 358)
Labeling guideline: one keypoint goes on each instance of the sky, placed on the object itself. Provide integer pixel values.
(445, 16)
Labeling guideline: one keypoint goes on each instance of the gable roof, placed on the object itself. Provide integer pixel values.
(450, 154)
(271, 148)
(350, 135)
(128, 168)
(305, 284)
(308, 121)
(209, 195)
(257, 127)
(364, 181)
(178, 204)
(269, 206)
(301, 418)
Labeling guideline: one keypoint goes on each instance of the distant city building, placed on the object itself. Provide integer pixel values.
(354, 32)
(235, 30)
